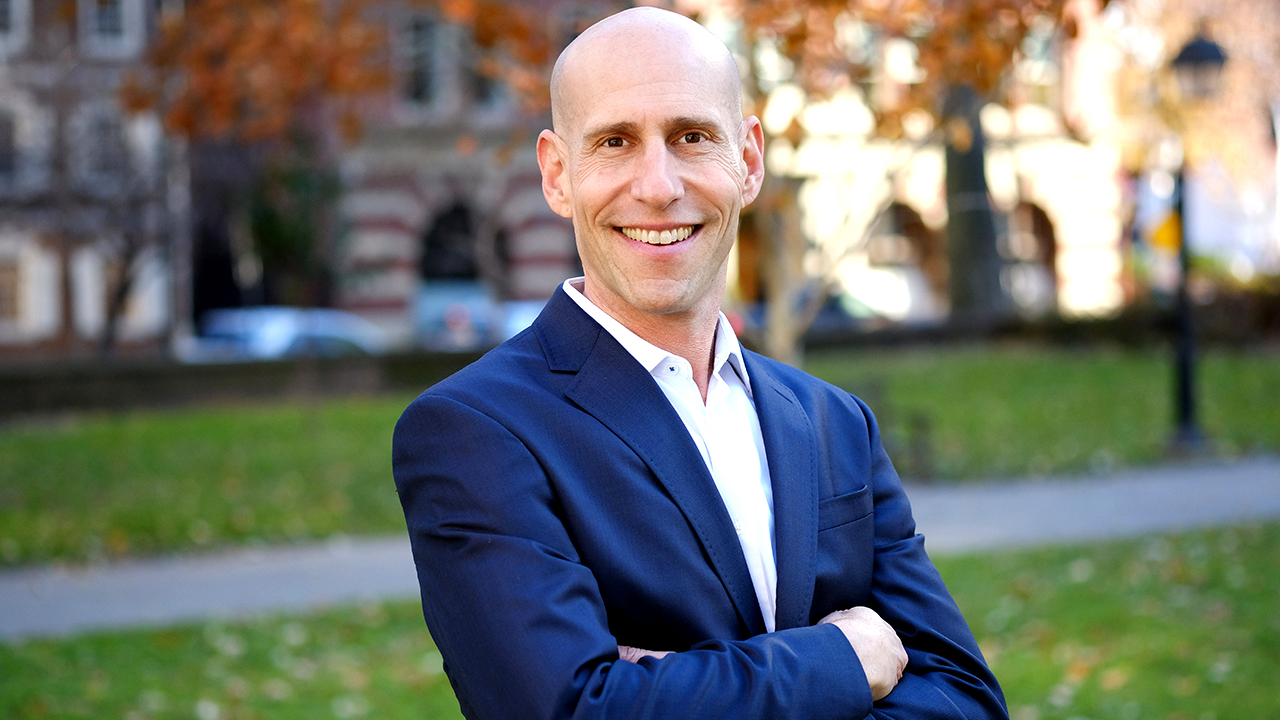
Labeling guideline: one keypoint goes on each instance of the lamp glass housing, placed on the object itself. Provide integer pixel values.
(1198, 68)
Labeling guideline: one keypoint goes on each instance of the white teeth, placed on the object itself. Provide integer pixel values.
(655, 237)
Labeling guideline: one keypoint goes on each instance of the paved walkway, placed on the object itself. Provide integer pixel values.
(39, 602)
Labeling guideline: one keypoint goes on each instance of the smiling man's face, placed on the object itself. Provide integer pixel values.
(653, 162)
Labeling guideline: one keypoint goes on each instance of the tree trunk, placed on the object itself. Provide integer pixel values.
(974, 281)
(116, 299)
(782, 269)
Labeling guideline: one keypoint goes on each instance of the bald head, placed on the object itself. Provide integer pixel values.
(640, 37)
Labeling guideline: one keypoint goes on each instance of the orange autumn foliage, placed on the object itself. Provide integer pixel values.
(251, 70)
(957, 43)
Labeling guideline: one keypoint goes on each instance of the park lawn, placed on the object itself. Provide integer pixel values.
(374, 660)
(1015, 411)
(1177, 627)
(1169, 627)
(142, 483)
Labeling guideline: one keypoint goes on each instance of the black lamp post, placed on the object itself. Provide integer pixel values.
(1198, 67)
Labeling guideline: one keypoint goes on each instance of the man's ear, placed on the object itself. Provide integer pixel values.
(752, 158)
(551, 162)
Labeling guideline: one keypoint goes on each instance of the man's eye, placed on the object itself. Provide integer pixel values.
(693, 137)
(614, 142)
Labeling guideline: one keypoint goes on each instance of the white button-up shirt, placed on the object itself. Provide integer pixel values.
(726, 430)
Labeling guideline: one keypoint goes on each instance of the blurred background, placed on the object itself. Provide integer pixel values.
(974, 165)
(1040, 237)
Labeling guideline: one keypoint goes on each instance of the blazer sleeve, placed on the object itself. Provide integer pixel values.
(946, 675)
(520, 620)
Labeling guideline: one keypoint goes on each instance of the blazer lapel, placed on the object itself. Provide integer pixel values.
(617, 391)
(790, 445)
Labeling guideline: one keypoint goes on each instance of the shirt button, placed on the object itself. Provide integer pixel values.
(737, 528)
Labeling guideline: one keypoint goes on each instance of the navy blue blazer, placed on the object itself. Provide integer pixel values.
(557, 508)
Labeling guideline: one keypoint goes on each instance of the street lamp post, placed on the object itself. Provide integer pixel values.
(1187, 437)
(1198, 67)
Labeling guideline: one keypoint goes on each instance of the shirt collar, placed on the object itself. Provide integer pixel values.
(650, 356)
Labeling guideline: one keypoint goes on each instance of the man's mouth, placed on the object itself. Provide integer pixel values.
(659, 237)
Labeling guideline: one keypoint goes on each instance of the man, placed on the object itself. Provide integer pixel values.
(620, 513)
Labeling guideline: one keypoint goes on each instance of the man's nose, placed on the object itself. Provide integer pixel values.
(657, 179)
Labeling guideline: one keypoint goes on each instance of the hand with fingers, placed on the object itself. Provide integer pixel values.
(877, 645)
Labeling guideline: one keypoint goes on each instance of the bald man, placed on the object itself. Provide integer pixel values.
(622, 513)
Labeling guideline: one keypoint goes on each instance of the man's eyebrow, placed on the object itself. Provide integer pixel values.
(629, 127)
(624, 127)
(706, 123)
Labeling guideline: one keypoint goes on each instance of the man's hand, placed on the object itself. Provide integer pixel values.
(631, 654)
(877, 645)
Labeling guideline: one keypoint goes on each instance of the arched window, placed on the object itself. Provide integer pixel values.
(1029, 250)
(449, 247)
(903, 276)
(454, 308)
(899, 238)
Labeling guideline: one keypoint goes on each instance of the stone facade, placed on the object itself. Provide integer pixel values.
(443, 204)
(85, 190)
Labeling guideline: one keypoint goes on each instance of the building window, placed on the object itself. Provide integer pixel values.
(108, 157)
(30, 288)
(25, 145)
(8, 146)
(423, 71)
(1028, 249)
(15, 26)
(9, 290)
(109, 19)
(101, 160)
(111, 29)
(486, 91)
(449, 249)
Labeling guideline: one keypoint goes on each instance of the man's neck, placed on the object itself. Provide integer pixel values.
(689, 334)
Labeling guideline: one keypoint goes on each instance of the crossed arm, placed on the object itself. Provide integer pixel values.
(878, 647)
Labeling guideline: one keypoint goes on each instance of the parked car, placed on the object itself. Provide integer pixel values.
(274, 333)
(453, 315)
(841, 312)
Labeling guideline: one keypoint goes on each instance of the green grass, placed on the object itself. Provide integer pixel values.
(1173, 627)
(1018, 411)
(1182, 627)
(142, 483)
(372, 661)
(149, 482)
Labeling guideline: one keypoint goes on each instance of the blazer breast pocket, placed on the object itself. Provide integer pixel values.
(843, 509)
(846, 552)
